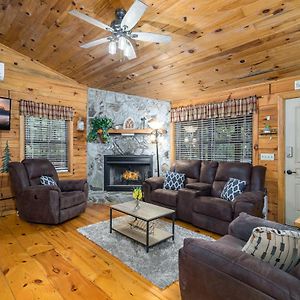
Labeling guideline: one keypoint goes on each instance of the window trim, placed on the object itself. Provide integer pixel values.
(70, 145)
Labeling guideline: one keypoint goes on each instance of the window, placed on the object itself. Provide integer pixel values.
(45, 138)
(228, 139)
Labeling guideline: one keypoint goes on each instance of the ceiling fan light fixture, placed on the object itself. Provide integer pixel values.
(112, 48)
(122, 42)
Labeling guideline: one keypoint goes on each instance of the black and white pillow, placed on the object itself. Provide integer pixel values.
(47, 180)
(233, 188)
(174, 181)
(280, 248)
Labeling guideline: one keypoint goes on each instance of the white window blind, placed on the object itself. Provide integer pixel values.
(228, 139)
(45, 138)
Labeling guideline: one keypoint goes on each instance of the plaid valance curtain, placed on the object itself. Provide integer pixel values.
(229, 108)
(43, 110)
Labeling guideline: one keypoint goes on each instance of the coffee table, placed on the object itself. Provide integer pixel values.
(146, 212)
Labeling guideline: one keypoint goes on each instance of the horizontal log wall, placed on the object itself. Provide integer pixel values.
(29, 80)
(271, 104)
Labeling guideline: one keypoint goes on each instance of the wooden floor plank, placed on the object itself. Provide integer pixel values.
(5, 291)
(67, 280)
(56, 262)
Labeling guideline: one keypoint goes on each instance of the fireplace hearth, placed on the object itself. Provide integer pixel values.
(125, 172)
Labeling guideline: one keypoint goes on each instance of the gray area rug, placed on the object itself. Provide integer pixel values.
(159, 265)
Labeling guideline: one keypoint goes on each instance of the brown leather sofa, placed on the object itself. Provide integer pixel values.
(220, 270)
(199, 202)
(45, 203)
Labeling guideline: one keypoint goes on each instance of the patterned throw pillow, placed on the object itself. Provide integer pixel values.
(174, 181)
(280, 248)
(46, 180)
(233, 188)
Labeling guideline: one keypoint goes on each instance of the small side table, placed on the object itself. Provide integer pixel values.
(297, 222)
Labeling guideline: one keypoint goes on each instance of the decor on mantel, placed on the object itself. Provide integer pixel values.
(129, 123)
(228, 108)
(80, 124)
(122, 38)
(100, 125)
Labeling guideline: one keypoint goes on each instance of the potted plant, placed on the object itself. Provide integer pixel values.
(100, 123)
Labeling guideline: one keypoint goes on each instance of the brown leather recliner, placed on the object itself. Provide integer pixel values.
(46, 204)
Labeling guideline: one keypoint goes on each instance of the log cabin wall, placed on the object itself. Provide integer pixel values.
(29, 80)
(271, 104)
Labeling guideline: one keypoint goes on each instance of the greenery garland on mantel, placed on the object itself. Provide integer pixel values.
(103, 123)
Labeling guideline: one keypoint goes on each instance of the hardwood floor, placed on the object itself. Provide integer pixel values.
(55, 262)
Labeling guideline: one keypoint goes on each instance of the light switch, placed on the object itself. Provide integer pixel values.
(267, 156)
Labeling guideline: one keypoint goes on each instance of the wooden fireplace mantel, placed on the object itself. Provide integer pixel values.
(128, 131)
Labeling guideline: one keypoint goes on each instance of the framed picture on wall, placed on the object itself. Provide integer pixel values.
(5, 112)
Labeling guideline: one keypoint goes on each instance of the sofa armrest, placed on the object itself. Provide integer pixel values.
(40, 204)
(72, 185)
(250, 203)
(244, 224)
(155, 182)
(209, 270)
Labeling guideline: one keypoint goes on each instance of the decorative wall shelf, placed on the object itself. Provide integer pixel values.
(128, 131)
(272, 132)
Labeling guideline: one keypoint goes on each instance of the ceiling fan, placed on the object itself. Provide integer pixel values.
(121, 35)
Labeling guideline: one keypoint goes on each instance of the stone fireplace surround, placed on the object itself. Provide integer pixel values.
(119, 107)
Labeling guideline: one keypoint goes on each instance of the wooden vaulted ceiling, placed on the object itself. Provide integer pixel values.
(217, 45)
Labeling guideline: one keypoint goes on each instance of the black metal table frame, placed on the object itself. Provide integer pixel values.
(147, 227)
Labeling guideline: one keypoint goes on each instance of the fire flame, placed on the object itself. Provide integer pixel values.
(131, 175)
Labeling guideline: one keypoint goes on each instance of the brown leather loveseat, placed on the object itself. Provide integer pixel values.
(199, 202)
(46, 204)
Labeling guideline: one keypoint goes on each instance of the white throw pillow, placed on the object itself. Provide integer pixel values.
(280, 248)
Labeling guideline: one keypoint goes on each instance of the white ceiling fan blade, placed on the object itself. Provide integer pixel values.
(151, 37)
(133, 15)
(95, 43)
(90, 20)
(129, 51)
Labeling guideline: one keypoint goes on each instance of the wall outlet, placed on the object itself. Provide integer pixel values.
(297, 84)
(267, 156)
(1, 71)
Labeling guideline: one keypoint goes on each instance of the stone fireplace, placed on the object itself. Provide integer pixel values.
(124, 172)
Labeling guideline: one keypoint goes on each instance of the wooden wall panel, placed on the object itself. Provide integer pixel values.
(30, 80)
(271, 104)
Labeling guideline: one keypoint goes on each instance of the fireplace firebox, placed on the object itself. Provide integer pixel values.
(124, 172)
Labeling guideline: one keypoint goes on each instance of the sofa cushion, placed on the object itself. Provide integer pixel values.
(208, 171)
(296, 271)
(166, 197)
(233, 188)
(280, 248)
(200, 186)
(174, 181)
(231, 241)
(227, 170)
(69, 199)
(35, 168)
(191, 168)
(214, 207)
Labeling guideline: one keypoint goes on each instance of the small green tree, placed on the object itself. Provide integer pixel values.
(5, 159)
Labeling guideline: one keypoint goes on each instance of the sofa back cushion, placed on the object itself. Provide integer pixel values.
(226, 170)
(191, 169)
(36, 168)
(208, 171)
